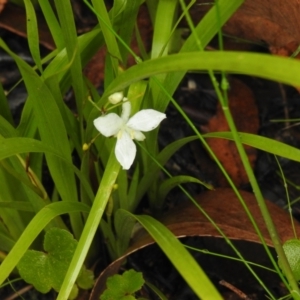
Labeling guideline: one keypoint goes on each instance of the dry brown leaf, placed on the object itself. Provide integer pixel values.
(224, 208)
(2, 4)
(245, 114)
(275, 22)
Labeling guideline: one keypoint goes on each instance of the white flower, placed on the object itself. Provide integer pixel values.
(126, 129)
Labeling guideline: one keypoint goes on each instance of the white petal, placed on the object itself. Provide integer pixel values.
(115, 98)
(146, 120)
(109, 125)
(126, 110)
(125, 150)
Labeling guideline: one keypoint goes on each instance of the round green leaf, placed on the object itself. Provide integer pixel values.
(123, 286)
(292, 252)
(46, 270)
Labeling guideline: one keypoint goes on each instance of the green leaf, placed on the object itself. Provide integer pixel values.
(110, 39)
(33, 34)
(274, 68)
(52, 23)
(123, 286)
(292, 250)
(123, 226)
(47, 270)
(262, 143)
(181, 258)
(4, 107)
(85, 279)
(67, 21)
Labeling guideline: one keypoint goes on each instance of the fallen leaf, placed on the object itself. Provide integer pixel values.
(245, 114)
(2, 4)
(274, 22)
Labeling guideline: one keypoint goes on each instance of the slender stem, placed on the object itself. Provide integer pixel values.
(102, 197)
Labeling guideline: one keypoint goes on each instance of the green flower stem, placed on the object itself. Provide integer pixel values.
(102, 197)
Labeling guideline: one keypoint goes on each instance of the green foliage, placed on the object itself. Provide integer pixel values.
(292, 252)
(50, 131)
(46, 270)
(85, 279)
(123, 286)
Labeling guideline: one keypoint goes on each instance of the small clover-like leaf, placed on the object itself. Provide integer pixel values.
(47, 270)
(32, 269)
(123, 286)
(85, 279)
(292, 252)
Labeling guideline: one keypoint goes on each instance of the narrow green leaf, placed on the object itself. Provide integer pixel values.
(123, 226)
(12, 219)
(17, 205)
(132, 192)
(163, 27)
(275, 68)
(181, 258)
(6, 128)
(110, 39)
(262, 143)
(67, 21)
(33, 34)
(4, 108)
(52, 23)
(6, 242)
(127, 22)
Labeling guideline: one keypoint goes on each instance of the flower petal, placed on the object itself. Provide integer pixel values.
(126, 110)
(125, 150)
(145, 120)
(109, 125)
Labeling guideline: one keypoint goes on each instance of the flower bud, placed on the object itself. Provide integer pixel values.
(85, 147)
(115, 98)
